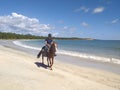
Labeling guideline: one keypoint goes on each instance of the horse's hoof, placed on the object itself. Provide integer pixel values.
(51, 68)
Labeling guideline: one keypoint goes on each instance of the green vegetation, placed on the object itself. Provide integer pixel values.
(4, 35)
(73, 38)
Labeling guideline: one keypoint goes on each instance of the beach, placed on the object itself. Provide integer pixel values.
(20, 70)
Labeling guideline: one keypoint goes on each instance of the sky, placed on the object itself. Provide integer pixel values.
(99, 19)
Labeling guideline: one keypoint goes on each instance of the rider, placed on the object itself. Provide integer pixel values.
(48, 41)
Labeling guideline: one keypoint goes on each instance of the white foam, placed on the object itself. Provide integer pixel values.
(25, 46)
(75, 54)
(88, 56)
(114, 60)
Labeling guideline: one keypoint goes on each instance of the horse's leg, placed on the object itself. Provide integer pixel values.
(42, 59)
(48, 61)
(52, 61)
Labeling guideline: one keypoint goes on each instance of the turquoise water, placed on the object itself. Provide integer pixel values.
(102, 50)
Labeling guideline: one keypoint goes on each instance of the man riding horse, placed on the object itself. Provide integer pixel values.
(48, 50)
(48, 42)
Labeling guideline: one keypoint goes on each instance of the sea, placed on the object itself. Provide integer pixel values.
(98, 50)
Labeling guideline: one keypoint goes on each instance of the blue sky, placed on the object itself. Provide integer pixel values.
(98, 19)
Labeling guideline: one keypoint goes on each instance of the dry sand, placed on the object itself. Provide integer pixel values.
(18, 71)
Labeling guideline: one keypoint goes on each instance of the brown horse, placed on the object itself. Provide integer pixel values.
(50, 54)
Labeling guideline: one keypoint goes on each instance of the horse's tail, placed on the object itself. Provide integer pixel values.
(39, 54)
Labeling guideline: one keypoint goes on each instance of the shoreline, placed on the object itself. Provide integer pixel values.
(110, 67)
(95, 57)
(23, 71)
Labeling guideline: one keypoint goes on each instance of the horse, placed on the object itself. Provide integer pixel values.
(49, 54)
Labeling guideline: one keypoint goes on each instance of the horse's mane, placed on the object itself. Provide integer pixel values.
(52, 48)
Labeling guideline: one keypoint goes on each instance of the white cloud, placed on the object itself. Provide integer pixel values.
(60, 21)
(72, 28)
(55, 34)
(98, 10)
(66, 31)
(69, 28)
(18, 23)
(82, 8)
(65, 28)
(115, 21)
(84, 24)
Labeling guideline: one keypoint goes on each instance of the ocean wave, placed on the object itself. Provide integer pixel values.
(75, 54)
(25, 46)
(88, 56)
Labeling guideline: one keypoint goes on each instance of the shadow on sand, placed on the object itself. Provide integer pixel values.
(39, 64)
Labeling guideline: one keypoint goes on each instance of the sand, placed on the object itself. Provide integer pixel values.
(22, 71)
